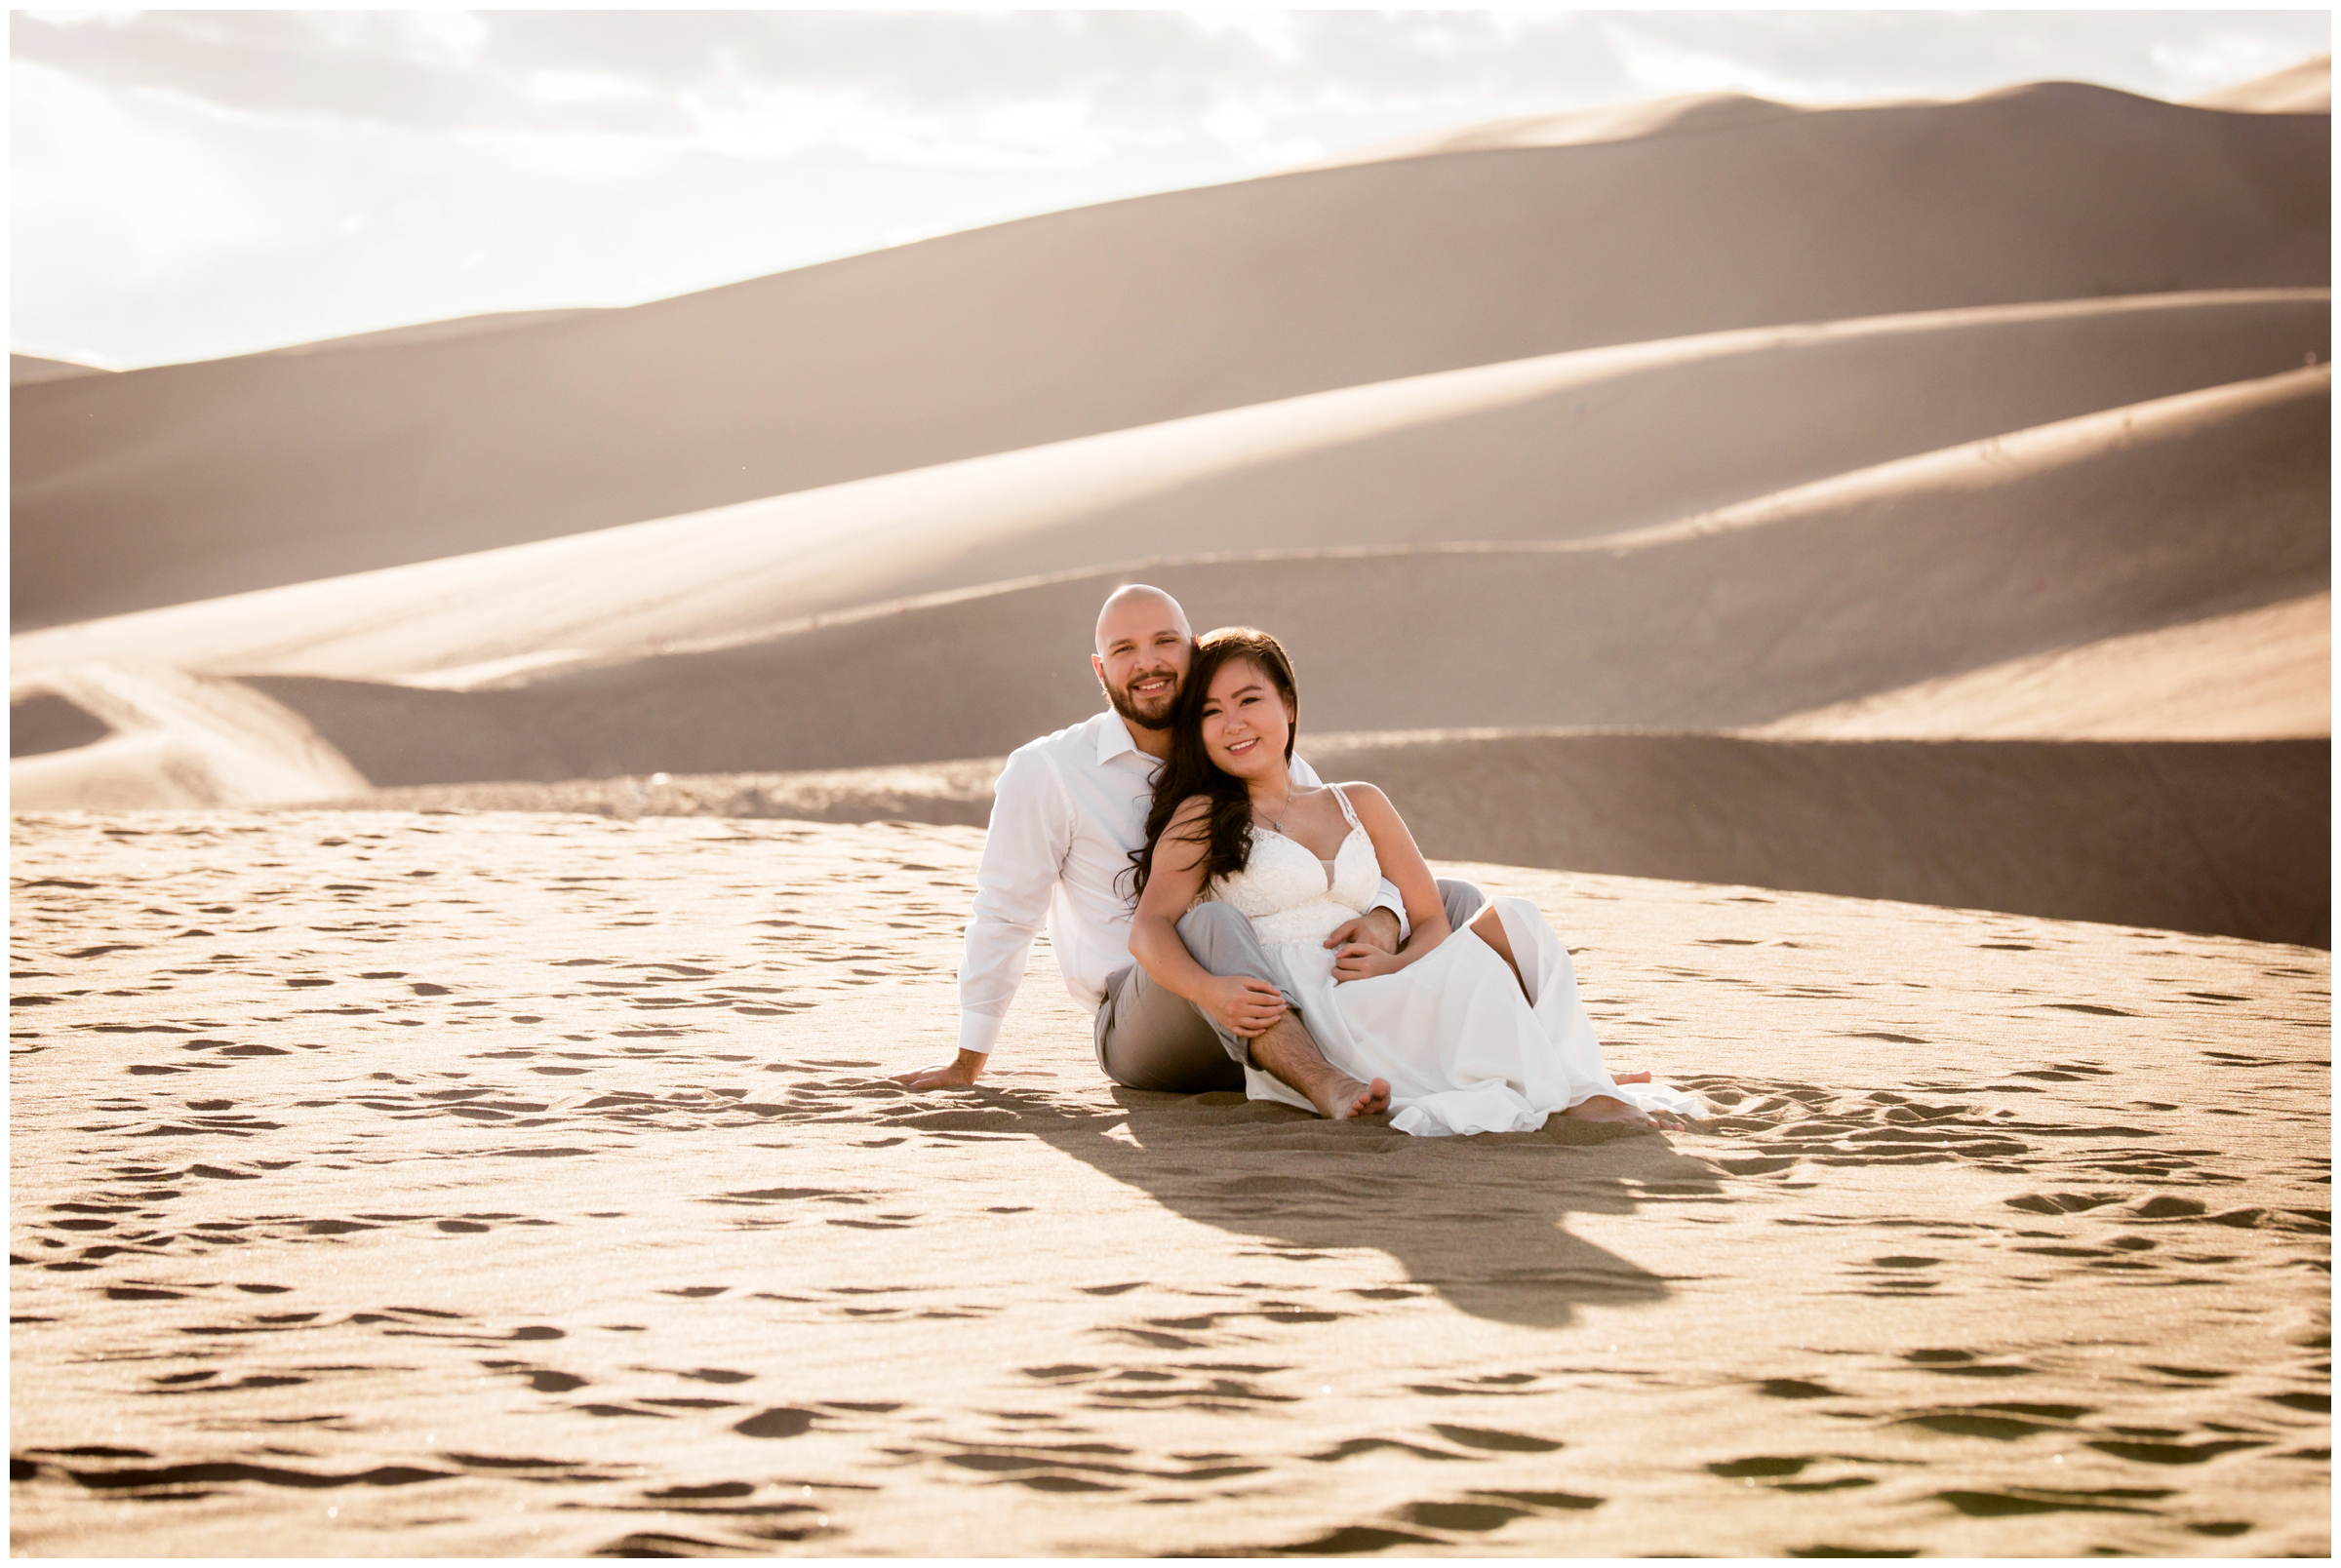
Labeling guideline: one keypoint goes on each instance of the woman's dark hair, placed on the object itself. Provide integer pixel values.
(1226, 830)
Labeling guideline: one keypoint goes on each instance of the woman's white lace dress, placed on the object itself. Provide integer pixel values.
(1464, 1052)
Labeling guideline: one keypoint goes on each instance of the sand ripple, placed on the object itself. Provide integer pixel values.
(472, 1184)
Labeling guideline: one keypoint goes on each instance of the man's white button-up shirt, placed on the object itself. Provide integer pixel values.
(1066, 813)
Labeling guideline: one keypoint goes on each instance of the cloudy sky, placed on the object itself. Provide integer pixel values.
(188, 184)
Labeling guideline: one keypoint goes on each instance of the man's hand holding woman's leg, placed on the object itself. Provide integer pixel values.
(1244, 1007)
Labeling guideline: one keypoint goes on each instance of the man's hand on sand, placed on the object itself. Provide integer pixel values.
(1376, 928)
(1242, 1006)
(956, 1074)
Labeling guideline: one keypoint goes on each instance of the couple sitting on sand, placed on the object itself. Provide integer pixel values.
(1323, 966)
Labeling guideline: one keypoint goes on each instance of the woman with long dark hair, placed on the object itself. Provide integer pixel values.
(1477, 1029)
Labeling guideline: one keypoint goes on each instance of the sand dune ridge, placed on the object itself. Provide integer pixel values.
(1581, 444)
(2109, 525)
(1133, 313)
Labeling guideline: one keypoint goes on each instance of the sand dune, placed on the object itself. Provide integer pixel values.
(952, 793)
(102, 737)
(27, 369)
(2255, 674)
(2220, 837)
(1563, 447)
(1687, 114)
(2303, 89)
(2148, 525)
(493, 1185)
(432, 331)
(2200, 837)
(2114, 524)
(280, 468)
(2191, 532)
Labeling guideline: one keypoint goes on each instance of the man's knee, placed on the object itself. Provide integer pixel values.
(1462, 899)
(1217, 935)
(1220, 937)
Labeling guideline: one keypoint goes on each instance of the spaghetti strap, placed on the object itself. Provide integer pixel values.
(1345, 809)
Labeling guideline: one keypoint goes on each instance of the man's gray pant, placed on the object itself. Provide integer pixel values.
(1152, 1038)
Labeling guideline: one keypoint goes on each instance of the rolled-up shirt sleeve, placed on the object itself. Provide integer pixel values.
(1391, 899)
(1023, 854)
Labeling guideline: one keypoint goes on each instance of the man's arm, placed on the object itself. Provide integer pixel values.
(1384, 925)
(1023, 850)
(1394, 847)
(1383, 929)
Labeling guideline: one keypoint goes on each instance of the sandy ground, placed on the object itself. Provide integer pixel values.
(2012, 1237)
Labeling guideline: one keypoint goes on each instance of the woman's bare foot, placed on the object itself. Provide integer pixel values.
(1663, 1120)
(1607, 1108)
(1287, 1053)
(1339, 1097)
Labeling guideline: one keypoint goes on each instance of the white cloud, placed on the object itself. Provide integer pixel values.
(590, 161)
(191, 182)
(584, 87)
(106, 166)
(2219, 59)
(454, 35)
(1661, 69)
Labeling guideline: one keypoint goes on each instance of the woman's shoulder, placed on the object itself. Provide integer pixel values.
(1193, 806)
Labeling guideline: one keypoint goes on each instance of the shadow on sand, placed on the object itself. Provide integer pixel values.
(1482, 1221)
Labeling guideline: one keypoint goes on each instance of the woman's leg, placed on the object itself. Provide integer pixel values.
(1490, 928)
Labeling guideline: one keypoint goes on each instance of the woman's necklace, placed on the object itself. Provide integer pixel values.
(1277, 825)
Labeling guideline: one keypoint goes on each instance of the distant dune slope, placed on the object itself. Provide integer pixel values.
(1560, 446)
(165, 484)
(1687, 114)
(2114, 524)
(425, 331)
(2257, 672)
(2303, 89)
(28, 370)
(2231, 838)
(101, 739)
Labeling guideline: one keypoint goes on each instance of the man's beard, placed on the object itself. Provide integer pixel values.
(1121, 703)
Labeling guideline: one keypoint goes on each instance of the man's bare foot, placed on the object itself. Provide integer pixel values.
(1338, 1097)
(1641, 1076)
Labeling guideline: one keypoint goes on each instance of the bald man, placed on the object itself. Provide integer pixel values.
(1068, 810)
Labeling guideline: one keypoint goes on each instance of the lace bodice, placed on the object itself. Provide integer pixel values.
(1284, 889)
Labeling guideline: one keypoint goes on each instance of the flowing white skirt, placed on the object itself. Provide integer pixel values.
(1464, 1052)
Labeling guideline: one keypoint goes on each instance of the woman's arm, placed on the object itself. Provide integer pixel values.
(1244, 1006)
(1403, 866)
